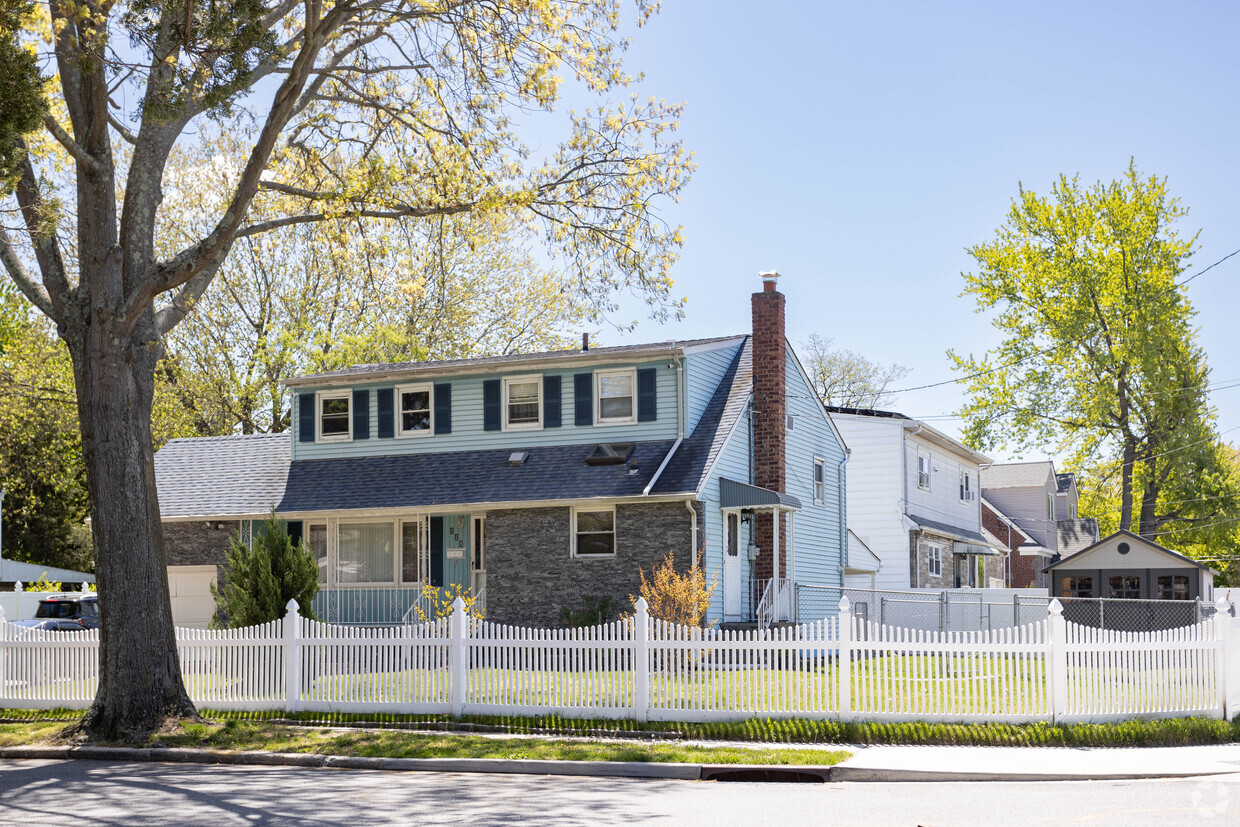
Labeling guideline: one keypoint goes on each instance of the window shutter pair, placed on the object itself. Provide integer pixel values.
(385, 398)
(647, 397)
(307, 411)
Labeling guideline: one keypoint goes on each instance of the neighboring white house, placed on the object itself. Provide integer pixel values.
(914, 501)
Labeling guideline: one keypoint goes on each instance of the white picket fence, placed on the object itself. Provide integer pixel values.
(840, 667)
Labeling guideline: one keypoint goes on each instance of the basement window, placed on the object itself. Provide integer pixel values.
(610, 453)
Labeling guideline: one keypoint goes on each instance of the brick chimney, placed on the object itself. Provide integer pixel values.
(769, 421)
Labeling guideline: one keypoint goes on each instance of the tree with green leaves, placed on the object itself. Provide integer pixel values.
(384, 110)
(1099, 357)
(263, 577)
(846, 379)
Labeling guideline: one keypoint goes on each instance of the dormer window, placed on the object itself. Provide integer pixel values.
(414, 410)
(335, 420)
(523, 403)
(616, 392)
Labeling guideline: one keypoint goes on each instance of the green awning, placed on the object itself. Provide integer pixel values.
(733, 494)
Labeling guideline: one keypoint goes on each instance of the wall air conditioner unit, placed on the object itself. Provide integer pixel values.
(753, 552)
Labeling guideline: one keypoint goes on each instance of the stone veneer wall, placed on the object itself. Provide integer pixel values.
(530, 575)
(197, 543)
(920, 558)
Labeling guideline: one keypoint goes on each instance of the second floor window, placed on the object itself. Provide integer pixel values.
(1050, 507)
(522, 404)
(820, 482)
(415, 409)
(334, 410)
(616, 395)
(966, 487)
(923, 470)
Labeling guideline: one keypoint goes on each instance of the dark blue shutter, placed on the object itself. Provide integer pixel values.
(361, 414)
(647, 396)
(305, 417)
(294, 531)
(436, 551)
(551, 401)
(443, 408)
(385, 400)
(583, 399)
(490, 405)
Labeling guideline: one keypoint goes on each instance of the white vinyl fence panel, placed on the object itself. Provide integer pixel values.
(841, 667)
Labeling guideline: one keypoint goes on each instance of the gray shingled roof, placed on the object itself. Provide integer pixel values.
(1076, 535)
(457, 365)
(1064, 482)
(1016, 474)
(688, 467)
(555, 472)
(224, 476)
(949, 530)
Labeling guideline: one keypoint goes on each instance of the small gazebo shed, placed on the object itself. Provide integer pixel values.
(1127, 566)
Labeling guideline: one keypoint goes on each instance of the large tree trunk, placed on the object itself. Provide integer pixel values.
(140, 683)
(1125, 488)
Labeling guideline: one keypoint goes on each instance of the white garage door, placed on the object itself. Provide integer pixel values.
(190, 590)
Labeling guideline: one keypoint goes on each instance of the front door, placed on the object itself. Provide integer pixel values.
(456, 556)
(732, 567)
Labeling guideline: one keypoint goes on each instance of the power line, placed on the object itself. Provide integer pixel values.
(1044, 351)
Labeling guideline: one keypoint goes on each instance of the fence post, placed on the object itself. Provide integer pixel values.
(292, 656)
(844, 660)
(943, 611)
(457, 655)
(4, 654)
(1226, 656)
(1057, 660)
(641, 661)
(17, 600)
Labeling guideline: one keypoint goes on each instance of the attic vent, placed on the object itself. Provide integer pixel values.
(518, 457)
(1123, 548)
(610, 453)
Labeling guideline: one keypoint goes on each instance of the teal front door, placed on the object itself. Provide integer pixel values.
(450, 552)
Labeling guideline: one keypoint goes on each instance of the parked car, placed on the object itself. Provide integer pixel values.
(65, 613)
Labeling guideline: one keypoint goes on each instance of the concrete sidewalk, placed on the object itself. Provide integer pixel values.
(926, 763)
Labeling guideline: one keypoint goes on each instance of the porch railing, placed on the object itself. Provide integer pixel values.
(775, 605)
(365, 607)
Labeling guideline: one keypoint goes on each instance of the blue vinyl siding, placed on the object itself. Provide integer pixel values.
(703, 371)
(733, 463)
(467, 414)
(817, 533)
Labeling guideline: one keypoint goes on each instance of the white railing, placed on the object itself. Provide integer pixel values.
(775, 605)
(841, 667)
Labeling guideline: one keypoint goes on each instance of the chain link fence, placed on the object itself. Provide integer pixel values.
(974, 611)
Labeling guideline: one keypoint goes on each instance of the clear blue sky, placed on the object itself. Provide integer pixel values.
(859, 148)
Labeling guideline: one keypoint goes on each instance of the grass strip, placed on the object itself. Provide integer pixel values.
(270, 737)
(1135, 733)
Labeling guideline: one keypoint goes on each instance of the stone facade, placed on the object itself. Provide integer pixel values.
(919, 557)
(198, 542)
(530, 575)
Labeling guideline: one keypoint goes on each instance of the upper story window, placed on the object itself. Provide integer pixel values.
(335, 418)
(1050, 507)
(923, 469)
(616, 392)
(522, 403)
(414, 414)
(1071, 511)
(968, 487)
(820, 482)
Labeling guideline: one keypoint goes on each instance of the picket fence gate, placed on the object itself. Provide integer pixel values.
(841, 667)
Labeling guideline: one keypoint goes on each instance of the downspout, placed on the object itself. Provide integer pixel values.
(904, 495)
(680, 429)
(693, 527)
(839, 480)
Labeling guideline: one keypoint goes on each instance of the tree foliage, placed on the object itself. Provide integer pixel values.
(262, 579)
(847, 379)
(677, 596)
(45, 502)
(1099, 357)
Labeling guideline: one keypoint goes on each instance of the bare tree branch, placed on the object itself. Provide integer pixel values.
(71, 146)
(17, 271)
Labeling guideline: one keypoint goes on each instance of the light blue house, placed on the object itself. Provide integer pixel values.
(536, 481)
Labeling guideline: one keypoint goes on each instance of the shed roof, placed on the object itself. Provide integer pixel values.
(1136, 538)
(222, 476)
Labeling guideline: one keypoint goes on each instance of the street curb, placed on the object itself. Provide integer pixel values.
(523, 766)
(875, 774)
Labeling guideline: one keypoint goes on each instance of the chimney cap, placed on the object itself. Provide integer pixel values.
(769, 277)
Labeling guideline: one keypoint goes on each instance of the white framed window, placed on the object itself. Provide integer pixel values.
(415, 415)
(522, 403)
(615, 396)
(366, 554)
(316, 542)
(413, 552)
(1050, 507)
(820, 481)
(968, 491)
(335, 416)
(594, 532)
(923, 469)
(934, 559)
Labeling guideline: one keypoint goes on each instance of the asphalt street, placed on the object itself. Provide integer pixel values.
(96, 792)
